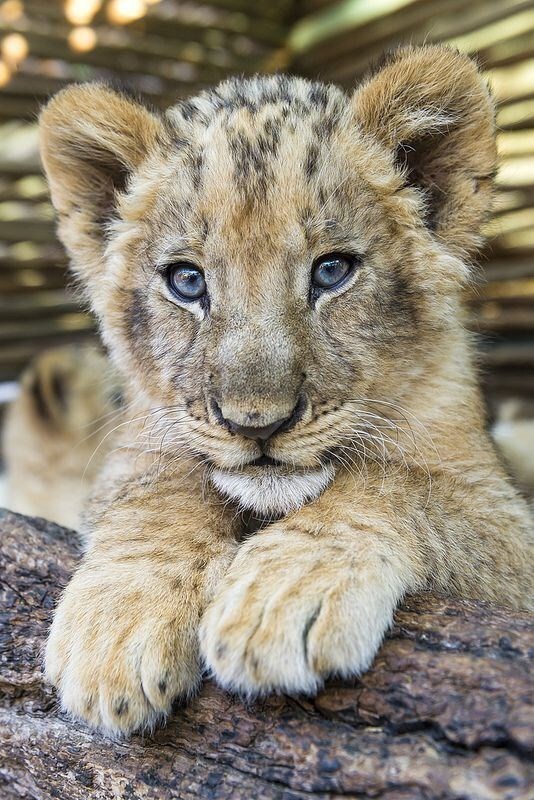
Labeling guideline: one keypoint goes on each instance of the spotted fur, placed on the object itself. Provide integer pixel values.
(385, 481)
(55, 432)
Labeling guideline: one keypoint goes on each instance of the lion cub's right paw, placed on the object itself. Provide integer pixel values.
(120, 655)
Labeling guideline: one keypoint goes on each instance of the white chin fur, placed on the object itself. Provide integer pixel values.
(270, 494)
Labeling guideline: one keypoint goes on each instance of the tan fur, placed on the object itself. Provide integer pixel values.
(387, 483)
(56, 432)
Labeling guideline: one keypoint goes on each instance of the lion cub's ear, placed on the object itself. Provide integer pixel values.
(432, 109)
(92, 139)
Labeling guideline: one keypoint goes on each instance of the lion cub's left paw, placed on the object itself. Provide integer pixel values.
(120, 652)
(293, 610)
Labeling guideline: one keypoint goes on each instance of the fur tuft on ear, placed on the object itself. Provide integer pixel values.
(430, 107)
(92, 138)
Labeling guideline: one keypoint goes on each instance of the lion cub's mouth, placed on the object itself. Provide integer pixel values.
(265, 461)
(269, 487)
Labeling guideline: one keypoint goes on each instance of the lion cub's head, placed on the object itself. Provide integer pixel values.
(269, 258)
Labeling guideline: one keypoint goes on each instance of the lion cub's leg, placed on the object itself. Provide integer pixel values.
(297, 606)
(123, 642)
(310, 596)
(313, 594)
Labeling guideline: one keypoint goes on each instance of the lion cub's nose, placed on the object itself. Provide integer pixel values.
(261, 432)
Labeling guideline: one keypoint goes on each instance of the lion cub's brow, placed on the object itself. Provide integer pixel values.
(252, 177)
(260, 129)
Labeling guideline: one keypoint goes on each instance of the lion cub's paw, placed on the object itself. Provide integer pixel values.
(292, 611)
(120, 656)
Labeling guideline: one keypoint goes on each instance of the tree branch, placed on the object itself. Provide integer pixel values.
(445, 712)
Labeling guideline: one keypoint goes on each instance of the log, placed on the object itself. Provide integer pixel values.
(445, 712)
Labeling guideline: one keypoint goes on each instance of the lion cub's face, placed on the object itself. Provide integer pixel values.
(267, 266)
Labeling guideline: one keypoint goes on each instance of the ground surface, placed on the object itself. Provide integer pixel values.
(447, 711)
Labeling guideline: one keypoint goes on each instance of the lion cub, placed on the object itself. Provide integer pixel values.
(277, 268)
(57, 432)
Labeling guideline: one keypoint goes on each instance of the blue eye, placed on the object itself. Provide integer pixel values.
(331, 270)
(186, 282)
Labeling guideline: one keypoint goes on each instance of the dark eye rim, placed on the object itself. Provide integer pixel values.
(353, 260)
(169, 271)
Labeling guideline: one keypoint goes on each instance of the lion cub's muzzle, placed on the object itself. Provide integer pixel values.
(266, 484)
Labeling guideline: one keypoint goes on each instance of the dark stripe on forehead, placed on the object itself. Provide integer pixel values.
(205, 225)
(252, 159)
(190, 111)
(297, 94)
(318, 95)
(196, 166)
(306, 219)
(326, 124)
(272, 131)
(310, 163)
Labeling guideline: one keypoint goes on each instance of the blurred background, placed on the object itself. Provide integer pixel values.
(166, 49)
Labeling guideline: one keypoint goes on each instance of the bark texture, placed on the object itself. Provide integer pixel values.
(445, 712)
